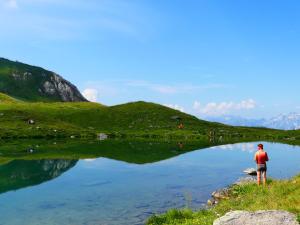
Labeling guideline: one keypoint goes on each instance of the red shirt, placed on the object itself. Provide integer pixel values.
(261, 157)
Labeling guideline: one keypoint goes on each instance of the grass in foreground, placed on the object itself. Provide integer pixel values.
(279, 195)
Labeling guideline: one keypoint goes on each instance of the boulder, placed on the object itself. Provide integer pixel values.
(211, 202)
(251, 171)
(31, 121)
(102, 136)
(263, 217)
(221, 194)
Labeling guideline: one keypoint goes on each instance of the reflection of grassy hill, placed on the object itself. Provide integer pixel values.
(20, 168)
(20, 173)
(138, 152)
(140, 119)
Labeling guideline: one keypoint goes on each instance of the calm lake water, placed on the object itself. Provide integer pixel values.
(105, 191)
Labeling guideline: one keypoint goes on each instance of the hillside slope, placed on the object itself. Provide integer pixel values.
(32, 83)
(137, 119)
(87, 117)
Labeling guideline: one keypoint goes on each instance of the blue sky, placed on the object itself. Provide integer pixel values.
(208, 58)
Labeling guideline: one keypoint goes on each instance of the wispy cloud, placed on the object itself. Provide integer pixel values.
(175, 106)
(222, 108)
(90, 94)
(174, 88)
(136, 90)
(10, 4)
(42, 19)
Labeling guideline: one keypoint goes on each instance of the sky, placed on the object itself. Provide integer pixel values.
(204, 57)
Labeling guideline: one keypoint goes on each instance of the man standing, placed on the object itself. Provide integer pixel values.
(261, 157)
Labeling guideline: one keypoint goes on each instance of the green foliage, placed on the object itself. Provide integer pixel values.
(184, 217)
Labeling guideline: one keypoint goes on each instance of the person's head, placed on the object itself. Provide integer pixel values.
(260, 147)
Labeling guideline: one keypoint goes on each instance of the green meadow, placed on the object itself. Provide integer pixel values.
(131, 120)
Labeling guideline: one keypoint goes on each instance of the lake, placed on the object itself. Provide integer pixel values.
(118, 190)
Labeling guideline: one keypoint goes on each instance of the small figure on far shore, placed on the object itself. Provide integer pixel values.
(180, 126)
(261, 158)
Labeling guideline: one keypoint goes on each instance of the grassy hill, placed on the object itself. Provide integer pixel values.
(57, 109)
(33, 83)
(138, 119)
(91, 118)
(7, 99)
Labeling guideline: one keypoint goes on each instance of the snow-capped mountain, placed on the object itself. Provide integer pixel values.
(289, 121)
(284, 121)
(237, 121)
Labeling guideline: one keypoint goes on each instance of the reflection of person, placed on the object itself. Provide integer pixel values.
(261, 158)
(180, 145)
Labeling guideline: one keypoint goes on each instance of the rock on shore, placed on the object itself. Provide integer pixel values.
(263, 217)
(251, 171)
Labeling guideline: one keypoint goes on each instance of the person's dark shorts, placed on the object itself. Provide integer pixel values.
(261, 168)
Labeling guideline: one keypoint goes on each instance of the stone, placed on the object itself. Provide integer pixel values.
(58, 86)
(250, 171)
(262, 217)
(209, 202)
(31, 121)
(221, 194)
(102, 136)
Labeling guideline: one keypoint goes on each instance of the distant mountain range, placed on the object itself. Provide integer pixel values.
(289, 121)
(31, 83)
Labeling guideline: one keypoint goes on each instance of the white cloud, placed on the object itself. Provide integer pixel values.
(173, 88)
(245, 147)
(90, 94)
(222, 108)
(175, 106)
(11, 4)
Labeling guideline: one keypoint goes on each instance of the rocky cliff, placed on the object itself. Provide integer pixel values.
(32, 83)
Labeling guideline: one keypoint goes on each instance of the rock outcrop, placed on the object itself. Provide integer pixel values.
(26, 82)
(221, 194)
(57, 86)
(251, 171)
(267, 217)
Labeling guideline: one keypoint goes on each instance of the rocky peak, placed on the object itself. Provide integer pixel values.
(33, 83)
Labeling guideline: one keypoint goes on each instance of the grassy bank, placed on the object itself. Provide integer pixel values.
(279, 195)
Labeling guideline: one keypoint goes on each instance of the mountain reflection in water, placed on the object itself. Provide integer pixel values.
(24, 173)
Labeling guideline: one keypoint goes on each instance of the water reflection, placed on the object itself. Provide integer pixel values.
(21, 173)
(126, 183)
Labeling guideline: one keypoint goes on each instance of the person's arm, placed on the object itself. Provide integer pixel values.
(267, 158)
(255, 157)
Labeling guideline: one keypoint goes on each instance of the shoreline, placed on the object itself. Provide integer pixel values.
(279, 194)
